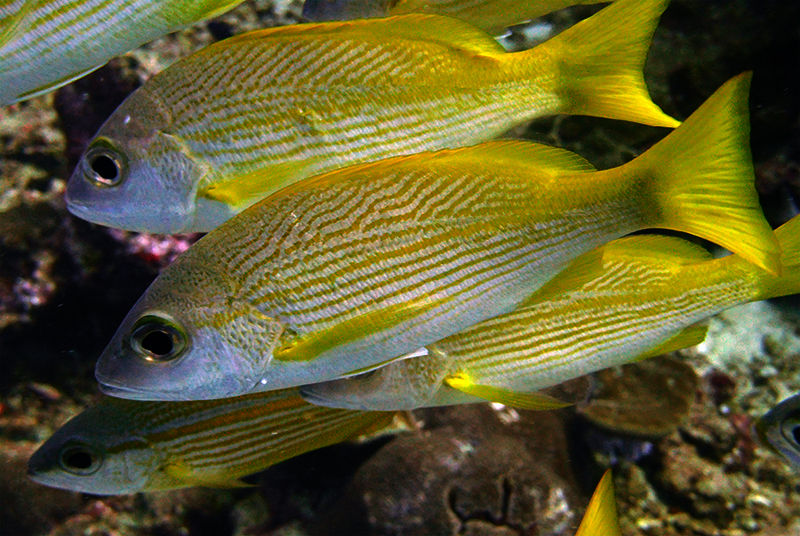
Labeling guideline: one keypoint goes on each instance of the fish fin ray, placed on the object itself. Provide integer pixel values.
(17, 23)
(700, 178)
(601, 62)
(309, 345)
(245, 189)
(601, 517)
(688, 337)
(535, 401)
(451, 33)
(181, 473)
(788, 282)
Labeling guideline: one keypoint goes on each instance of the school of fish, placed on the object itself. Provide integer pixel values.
(372, 246)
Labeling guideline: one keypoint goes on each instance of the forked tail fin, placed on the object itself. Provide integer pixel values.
(600, 61)
(700, 180)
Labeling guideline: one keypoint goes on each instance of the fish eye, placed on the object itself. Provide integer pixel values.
(104, 166)
(157, 339)
(79, 460)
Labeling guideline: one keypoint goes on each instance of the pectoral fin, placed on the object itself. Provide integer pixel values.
(691, 336)
(257, 184)
(310, 345)
(183, 474)
(537, 401)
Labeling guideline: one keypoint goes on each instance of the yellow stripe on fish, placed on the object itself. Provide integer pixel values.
(120, 446)
(611, 306)
(468, 233)
(492, 16)
(240, 119)
(45, 44)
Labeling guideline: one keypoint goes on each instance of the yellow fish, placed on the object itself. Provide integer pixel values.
(242, 118)
(45, 44)
(348, 270)
(492, 16)
(121, 446)
(636, 297)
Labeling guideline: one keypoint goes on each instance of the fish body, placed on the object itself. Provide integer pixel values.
(122, 446)
(636, 297)
(45, 44)
(492, 16)
(779, 430)
(348, 270)
(242, 118)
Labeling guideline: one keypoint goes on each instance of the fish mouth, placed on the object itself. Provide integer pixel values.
(119, 391)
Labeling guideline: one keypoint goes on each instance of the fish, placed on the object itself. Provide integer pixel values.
(779, 430)
(601, 517)
(46, 44)
(634, 298)
(195, 148)
(352, 269)
(492, 16)
(121, 446)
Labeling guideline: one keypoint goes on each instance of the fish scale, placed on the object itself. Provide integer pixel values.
(351, 269)
(35, 34)
(244, 117)
(148, 446)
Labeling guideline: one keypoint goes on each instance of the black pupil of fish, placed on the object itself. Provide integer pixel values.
(157, 342)
(105, 167)
(78, 459)
(796, 434)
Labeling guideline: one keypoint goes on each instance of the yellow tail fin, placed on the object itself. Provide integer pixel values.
(700, 178)
(788, 282)
(601, 515)
(601, 59)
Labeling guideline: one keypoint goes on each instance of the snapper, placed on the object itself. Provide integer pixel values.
(349, 270)
(636, 297)
(238, 120)
(122, 446)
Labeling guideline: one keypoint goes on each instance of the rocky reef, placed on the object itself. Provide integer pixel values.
(689, 466)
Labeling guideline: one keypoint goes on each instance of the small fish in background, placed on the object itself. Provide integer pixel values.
(634, 298)
(779, 430)
(46, 44)
(122, 446)
(238, 120)
(601, 518)
(349, 270)
(492, 16)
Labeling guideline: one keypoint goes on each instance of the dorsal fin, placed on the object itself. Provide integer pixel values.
(445, 31)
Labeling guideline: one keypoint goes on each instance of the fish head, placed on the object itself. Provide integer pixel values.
(135, 174)
(99, 451)
(188, 339)
(779, 430)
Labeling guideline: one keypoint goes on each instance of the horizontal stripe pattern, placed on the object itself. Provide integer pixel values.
(393, 235)
(332, 99)
(93, 31)
(628, 306)
(227, 438)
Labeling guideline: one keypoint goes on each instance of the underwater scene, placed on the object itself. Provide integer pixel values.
(400, 267)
